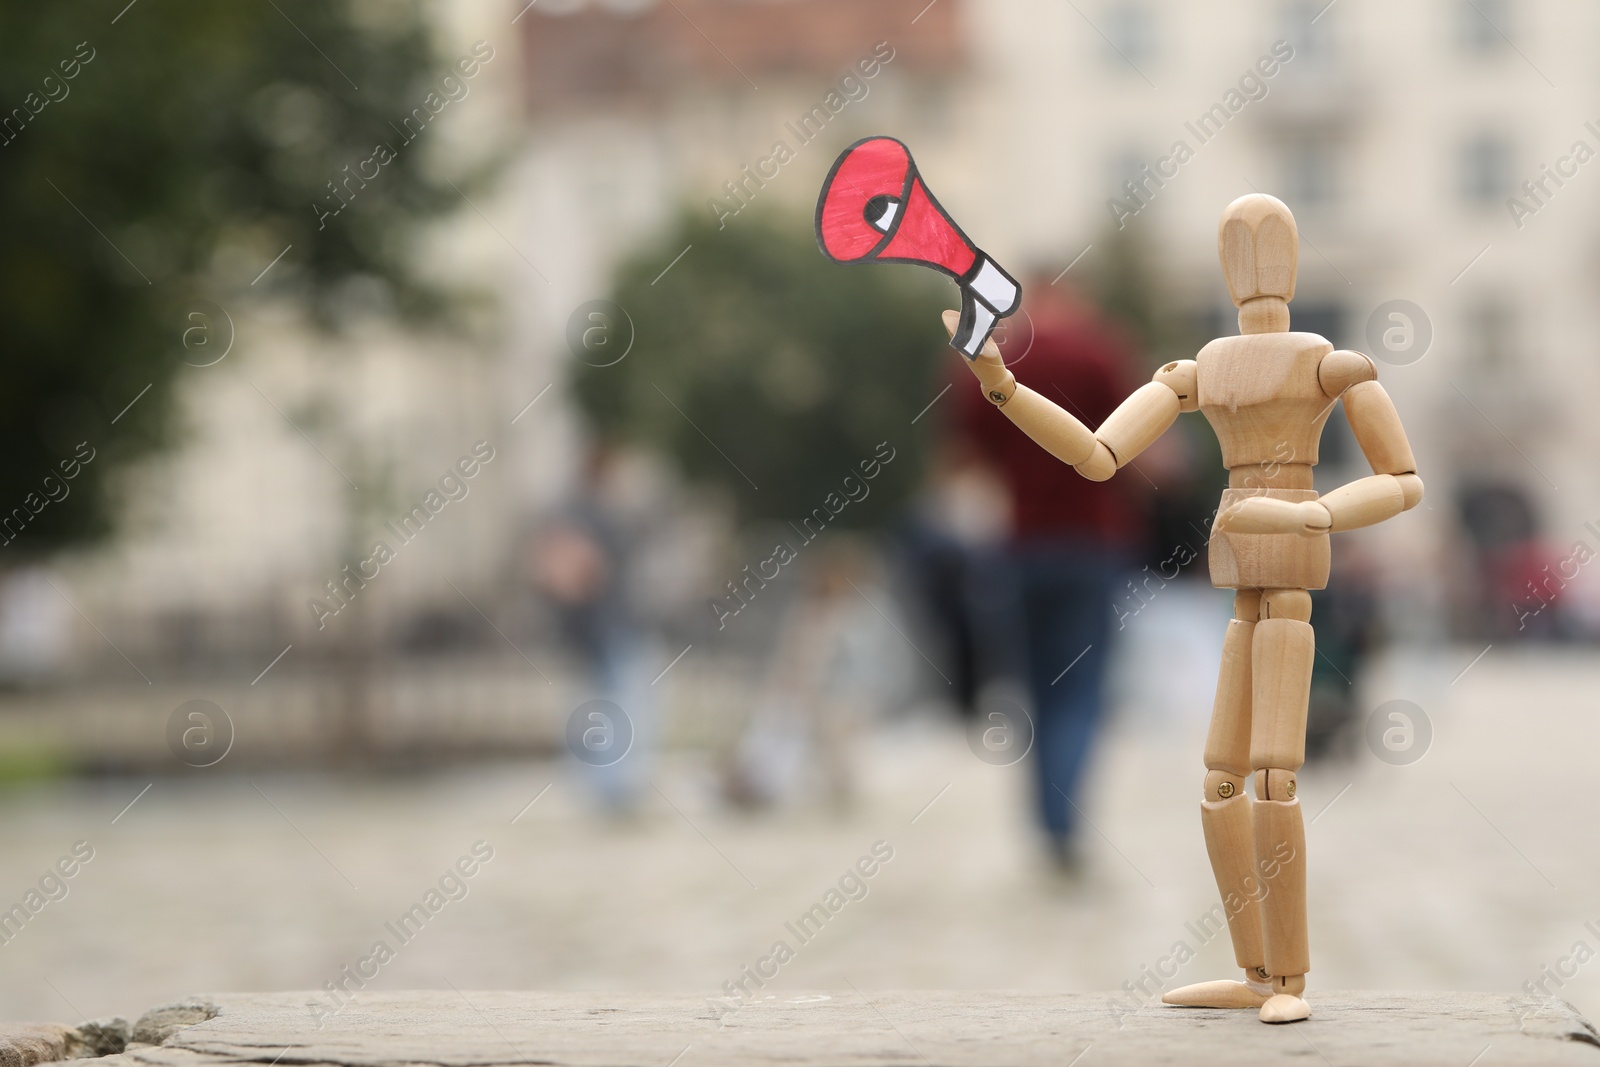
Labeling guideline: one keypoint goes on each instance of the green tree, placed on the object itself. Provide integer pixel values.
(156, 156)
(761, 366)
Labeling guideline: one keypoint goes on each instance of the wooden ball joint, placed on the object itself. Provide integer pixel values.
(1266, 393)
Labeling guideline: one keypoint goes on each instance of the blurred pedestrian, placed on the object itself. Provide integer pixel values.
(806, 722)
(953, 549)
(582, 561)
(1071, 541)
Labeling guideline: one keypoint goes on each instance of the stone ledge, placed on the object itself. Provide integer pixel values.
(840, 1029)
(25, 1044)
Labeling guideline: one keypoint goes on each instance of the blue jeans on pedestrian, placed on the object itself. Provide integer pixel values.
(1065, 589)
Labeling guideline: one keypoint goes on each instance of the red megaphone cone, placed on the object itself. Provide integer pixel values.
(875, 208)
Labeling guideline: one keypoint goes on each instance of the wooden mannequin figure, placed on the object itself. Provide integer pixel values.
(1267, 394)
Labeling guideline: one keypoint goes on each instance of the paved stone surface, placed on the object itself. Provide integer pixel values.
(851, 1029)
(1469, 869)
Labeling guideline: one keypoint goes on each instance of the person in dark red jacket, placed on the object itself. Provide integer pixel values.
(1071, 540)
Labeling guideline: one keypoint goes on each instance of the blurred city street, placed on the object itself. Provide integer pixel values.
(477, 518)
(1460, 871)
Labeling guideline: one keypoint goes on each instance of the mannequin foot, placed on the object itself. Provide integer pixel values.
(1220, 994)
(1285, 1008)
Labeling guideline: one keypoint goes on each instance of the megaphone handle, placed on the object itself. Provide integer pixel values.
(977, 323)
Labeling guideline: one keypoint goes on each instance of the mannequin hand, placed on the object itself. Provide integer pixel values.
(1265, 515)
(990, 369)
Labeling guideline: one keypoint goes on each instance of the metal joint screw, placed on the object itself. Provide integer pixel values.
(1291, 789)
(1225, 790)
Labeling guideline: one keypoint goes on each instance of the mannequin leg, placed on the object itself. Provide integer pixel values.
(1282, 650)
(1225, 815)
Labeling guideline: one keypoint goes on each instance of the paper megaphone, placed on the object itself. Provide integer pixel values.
(875, 208)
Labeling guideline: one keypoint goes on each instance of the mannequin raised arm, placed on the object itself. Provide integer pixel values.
(1095, 454)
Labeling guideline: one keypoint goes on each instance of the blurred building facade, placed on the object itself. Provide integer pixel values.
(1403, 137)
(1435, 157)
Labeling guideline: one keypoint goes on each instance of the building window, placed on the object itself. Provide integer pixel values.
(1310, 169)
(1131, 33)
(1489, 334)
(1482, 26)
(1124, 166)
(1485, 170)
(1306, 27)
